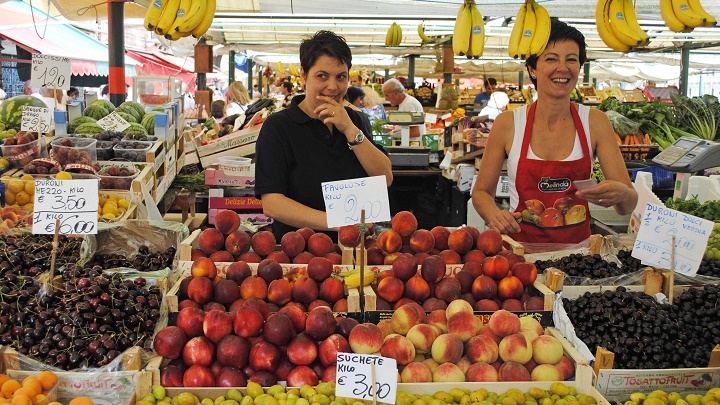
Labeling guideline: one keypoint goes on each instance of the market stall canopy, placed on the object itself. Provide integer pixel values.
(37, 32)
(91, 10)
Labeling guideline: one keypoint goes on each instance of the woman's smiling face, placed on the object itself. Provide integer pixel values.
(327, 77)
(558, 68)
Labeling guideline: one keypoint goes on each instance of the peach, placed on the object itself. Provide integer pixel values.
(366, 338)
(319, 268)
(330, 347)
(528, 323)
(253, 287)
(481, 372)
(390, 258)
(237, 243)
(486, 305)
(484, 287)
(258, 304)
(389, 241)
(292, 243)
(530, 365)
(305, 289)
(468, 297)
(390, 289)
(448, 372)
(458, 306)
(302, 350)
(432, 304)
(422, 240)
(504, 323)
(514, 259)
(534, 304)
(510, 287)
(217, 324)
(278, 256)
(303, 258)
(475, 268)
(226, 291)
(222, 256)
(278, 330)
(512, 371)
(515, 348)
(474, 256)
(416, 288)
(438, 319)
(399, 348)
(489, 242)
(526, 272)
(419, 257)
(200, 290)
(386, 327)
(546, 372)
(296, 312)
(203, 267)
(440, 235)
(566, 367)
(448, 289)
(482, 348)
(227, 221)
(511, 304)
(463, 364)
(198, 350)
(460, 241)
(340, 305)
(406, 317)
(334, 257)
(332, 290)
(269, 270)
(195, 253)
(466, 279)
(382, 305)
(496, 267)
(404, 266)
(432, 269)
(416, 373)
(547, 349)
(485, 331)
(188, 303)
(447, 348)
(384, 274)
(450, 257)
(279, 292)
(211, 240)
(249, 257)
(349, 235)
(404, 223)
(264, 357)
(319, 244)
(306, 233)
(422, 337)
(375, 256)
(263, 242)
(464, 324)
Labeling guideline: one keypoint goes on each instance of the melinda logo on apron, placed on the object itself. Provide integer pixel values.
(548, 185)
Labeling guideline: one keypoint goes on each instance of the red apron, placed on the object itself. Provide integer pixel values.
(550, 211)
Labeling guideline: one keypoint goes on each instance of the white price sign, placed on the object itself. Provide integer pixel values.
(113, 122)
(73, 202)
(35, 119)
(344, 199)
(354, 377)
(654, 240)
(50, 71)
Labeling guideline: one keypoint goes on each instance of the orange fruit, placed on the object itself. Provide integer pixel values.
(21, 399)
(3, 377)
(9, 387)
(39, 397)
(33, 383)
(55, 403)
(47, 379)
(81, 401)
(22, 198)
(26, 391)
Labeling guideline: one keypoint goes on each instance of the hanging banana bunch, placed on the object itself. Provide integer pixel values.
(421, 33)
(293, 70)
(685, 15)
(175, 19)
(393, 36)
(530, 32)
(469, 31)
(618, 26)
(280, 68)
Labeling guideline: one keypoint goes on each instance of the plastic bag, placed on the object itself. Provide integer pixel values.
(622, 125)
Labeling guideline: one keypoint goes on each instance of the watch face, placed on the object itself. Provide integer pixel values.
(359, 137)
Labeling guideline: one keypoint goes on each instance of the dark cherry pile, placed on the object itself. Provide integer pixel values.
(105, 142)
(644, 334)
(67, 152)
(40, 167)
(134, 151)
(88, 320)
(139, 137)
(144, 260)
(114, 136)
(709, 267)
(578, 265)
(116, 178)
(29, 255)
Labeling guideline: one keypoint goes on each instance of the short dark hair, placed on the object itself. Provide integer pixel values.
(491, 81)
(287, 85)
(105, 90)
(324, 43)
(560, 31)
(217, 109)
(73, 91)
(354, 93)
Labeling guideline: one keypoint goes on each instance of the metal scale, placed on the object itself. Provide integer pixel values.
(406, 155)
(685, 157)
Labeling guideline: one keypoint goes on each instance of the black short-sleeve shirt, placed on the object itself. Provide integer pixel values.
(295, 153)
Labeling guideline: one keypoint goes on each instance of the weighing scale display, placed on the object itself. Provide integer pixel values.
(405, 117)
(689, 155)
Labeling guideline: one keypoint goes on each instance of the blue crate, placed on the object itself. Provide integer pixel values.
(662, 178)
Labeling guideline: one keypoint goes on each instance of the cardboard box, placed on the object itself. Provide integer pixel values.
(217, 177)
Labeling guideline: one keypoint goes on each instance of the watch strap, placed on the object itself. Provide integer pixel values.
(359, 138)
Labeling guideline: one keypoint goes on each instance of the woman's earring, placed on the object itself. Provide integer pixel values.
(533, 76)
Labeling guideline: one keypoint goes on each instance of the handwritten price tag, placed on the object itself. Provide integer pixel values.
(50, 71)
(73, 202)
(113, 122)
(654, 240)
(344, 199)
(354, 377)
(36, 119)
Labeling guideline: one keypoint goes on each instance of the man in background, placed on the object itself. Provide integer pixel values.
(72, 94)
(30, 91)
(394, 92)
(482, 98)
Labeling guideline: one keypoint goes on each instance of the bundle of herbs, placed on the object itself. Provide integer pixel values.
(699, 116)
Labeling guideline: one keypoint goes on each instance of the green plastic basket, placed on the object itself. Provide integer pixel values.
(430, 141)
(384, 140)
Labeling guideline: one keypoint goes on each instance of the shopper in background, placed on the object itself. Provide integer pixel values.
(354, 98)
(315, 140)
(482, 98)
(217, 110)
(497, 104)
(28, 90)
(373, 105)
(72, 94)
(286, 89)
(394, 92)
(105, 92)
(549, 145)
(238, 98)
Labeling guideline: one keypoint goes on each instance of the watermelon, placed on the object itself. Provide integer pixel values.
(105, 104)
(135, 106)
(127, 117)
(135, 128)
(89, 128)
(11, 110)
(130, 111)
(149, 123)
(78, 121)
(96, 111)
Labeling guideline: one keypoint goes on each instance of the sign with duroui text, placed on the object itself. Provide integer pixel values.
(345, 199)
(354, 377)
(73, 202)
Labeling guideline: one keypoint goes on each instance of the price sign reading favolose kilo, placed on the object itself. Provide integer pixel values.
(73, 202)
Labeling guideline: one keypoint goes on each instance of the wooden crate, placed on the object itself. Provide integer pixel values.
(238, 143)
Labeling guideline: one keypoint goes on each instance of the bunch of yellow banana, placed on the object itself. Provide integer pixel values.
(421, 33)
(352, 277)
(180, 18)
(469, 31)
(293, 70)
(394, 35)
(530, 32)
(280, 68)
(618, 26)
(685, 15)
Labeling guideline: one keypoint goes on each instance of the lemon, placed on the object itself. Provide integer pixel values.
(16, 185)
(63, 176)
(30, 186)
(22, 198)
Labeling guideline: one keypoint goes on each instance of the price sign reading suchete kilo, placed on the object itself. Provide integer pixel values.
(50, 71)
(345, 199)
(74, 203)
(35, 119)
(113, 122)
(653, 245)
(354, 377)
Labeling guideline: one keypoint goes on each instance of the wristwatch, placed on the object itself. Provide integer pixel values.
(358, 139)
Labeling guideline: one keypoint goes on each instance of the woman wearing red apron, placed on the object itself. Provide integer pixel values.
(548, 146)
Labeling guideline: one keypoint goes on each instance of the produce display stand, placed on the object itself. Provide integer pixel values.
(238, 143)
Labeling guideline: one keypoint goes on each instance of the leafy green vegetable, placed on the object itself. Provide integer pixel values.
(698, 115)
